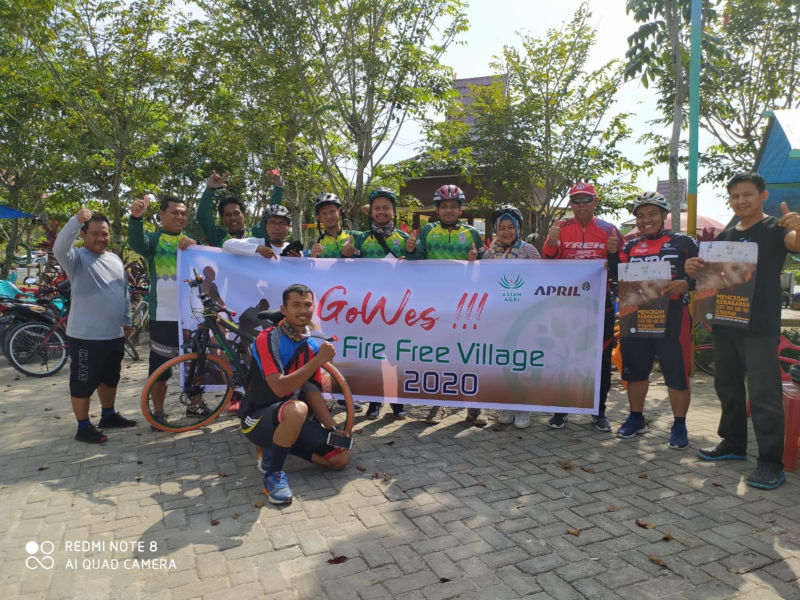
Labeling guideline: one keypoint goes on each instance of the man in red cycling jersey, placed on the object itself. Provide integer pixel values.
(581, 237)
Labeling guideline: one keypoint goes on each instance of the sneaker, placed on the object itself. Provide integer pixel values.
(632, 426)
(356, 405)
(198, 410)
(558, 421)
(436, 415)
(261, 462)
(90, 435)
(161, 418)
(115, 420)
(276, 487)
(373, 410)
(522, 419)
(720, 452)
(600, 422)
(477, 416)
(766, 476)
(678, 436)
(400, 413)
(505, 417)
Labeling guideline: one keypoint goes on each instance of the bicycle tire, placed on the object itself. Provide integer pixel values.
(334, 386)
(139, 320)
(28, 350)
(704, 349)
(176, 400)
(131, 350)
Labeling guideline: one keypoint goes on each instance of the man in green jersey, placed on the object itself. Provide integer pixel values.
(332, 241)
(231, 210)
(448, 239)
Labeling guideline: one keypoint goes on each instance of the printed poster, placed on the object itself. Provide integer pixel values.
(642, 303)
(725, 285)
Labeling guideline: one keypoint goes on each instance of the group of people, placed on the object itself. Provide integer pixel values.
(283, 391)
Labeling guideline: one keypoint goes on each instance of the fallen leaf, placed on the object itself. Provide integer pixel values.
(480, 483)
(222, 474)
(56, 417)
(667, 537)
(403, 489)
(358, 431)
(643, 476)
(337, 560)
(42, 469)
(589, 470)
(654, 559)
(391, 443)
(574, 440)
(195, 458)
(138, 462)
(259, 504)
(235, 516)
(170, 473)
(214, 522)
(47, 409)
(360, 468)
(464, 471)
(644, 524)
(715, 484)
(573, 531)
(519, 437)
(443, 580)
(565, 464)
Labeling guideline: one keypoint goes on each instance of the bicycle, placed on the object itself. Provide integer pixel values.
(703, 348)
(215, 367)
(140, 318)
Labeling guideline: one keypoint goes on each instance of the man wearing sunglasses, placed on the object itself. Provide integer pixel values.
(581, 237)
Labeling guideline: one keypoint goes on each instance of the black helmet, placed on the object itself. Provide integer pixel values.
(383, 192)
(507, 209)
(326, 198)
(277, 210)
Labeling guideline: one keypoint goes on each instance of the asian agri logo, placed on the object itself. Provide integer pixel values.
(511, 284)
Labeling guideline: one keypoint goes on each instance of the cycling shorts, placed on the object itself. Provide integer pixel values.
(93, 362)
(259, 425)
(673, 351)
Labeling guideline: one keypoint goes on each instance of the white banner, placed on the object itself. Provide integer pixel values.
(513, 334)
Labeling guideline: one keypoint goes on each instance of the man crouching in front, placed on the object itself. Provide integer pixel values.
(284, 391)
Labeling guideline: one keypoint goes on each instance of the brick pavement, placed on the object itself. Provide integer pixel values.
(462, 513)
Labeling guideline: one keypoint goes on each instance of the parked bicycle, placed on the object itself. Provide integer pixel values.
(216, 365)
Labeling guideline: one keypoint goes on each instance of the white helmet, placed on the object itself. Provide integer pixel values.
(652, 198)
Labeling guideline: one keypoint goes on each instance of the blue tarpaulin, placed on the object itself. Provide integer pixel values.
(10, 213)
(778, 161)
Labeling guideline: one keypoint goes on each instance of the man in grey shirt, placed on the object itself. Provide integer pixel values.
(99, 320)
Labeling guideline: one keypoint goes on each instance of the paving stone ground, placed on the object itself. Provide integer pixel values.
(455, 511)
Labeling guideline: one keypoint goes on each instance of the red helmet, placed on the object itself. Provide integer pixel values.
(449, 192)
(582, 188)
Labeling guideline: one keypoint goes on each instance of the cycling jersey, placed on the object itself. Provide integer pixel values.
(672, 247)
(582, 241)
(160, 250)
(437, 241)
(216, 236)
(368, 246)
(274, 352)
(332, 245)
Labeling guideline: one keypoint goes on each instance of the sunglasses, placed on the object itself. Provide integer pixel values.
(582, 200)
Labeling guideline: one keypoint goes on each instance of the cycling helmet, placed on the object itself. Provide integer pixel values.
(652, 198)
(449, 192)
(507, 209)
(326, 198)
(277, 210)
(383, 192)
(582, 188)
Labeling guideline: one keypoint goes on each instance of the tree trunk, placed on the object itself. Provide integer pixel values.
(672, 17)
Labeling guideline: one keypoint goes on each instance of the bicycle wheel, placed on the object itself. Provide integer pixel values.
(140, 319)
(703, 348)
(131, 350)
(335, 388)
(207, 377)
(36, 349)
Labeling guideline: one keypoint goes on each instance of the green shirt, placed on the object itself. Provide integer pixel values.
(438, 242)
(369, 247)
(332, 246)
(216, 236)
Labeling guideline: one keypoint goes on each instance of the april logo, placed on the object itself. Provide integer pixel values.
(33, 562)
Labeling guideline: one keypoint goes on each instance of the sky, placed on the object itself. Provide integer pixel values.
(493, 24)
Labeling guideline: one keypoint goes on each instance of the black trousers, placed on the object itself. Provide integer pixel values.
(755, 357)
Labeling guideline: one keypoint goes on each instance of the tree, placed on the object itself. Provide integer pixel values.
(544, 124)
(759, 71)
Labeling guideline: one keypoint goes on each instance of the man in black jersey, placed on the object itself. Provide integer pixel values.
(753, 350)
